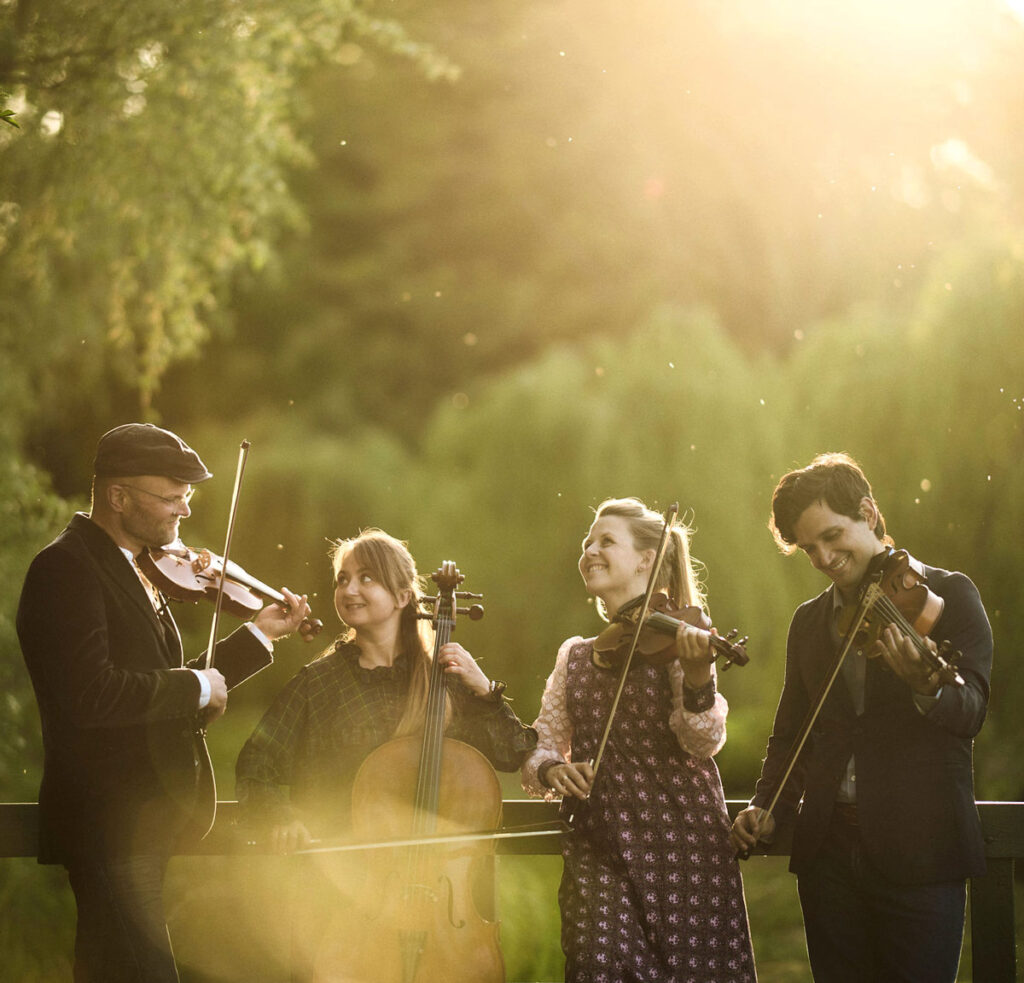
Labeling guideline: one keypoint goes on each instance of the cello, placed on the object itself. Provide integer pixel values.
(418, 921)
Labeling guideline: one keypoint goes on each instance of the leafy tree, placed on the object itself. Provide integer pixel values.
(151, 167)
(776, 169)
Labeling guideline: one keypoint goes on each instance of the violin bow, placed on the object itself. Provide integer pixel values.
(510, 833)
(243, 453)
(819, 701)
(670, 517)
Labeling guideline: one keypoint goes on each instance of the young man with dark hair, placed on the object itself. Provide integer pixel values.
(886, 829)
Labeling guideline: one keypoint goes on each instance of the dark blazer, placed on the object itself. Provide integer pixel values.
(915, 794)
(126, 769)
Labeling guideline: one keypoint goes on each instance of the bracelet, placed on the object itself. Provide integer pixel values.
(542, 771)
(700, 699)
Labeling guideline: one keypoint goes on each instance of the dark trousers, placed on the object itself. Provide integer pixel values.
(122, 931)
(864, 928)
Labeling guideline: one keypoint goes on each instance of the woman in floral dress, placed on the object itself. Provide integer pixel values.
(651, 890)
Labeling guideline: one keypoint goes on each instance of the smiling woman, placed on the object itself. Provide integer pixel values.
(295, 774)
(675, 908)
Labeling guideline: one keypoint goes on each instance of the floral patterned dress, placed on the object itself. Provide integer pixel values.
(651, 890)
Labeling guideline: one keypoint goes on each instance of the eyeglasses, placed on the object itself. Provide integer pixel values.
(177, 501)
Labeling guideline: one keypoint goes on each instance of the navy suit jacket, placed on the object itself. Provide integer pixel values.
(126, 769)
(914, 771)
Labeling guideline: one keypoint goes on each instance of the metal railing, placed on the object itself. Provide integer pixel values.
(992, 924)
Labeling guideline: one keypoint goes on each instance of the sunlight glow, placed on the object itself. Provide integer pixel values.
(1015, 7)
(954, 154)
(52, 123)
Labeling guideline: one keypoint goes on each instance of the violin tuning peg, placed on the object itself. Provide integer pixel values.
(731, 634)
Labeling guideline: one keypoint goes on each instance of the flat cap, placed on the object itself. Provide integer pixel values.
(141, 448)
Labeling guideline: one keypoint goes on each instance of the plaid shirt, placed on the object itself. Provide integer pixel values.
(302, 758)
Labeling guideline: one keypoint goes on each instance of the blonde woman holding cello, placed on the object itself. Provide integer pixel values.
(650, 888)
(295, 774)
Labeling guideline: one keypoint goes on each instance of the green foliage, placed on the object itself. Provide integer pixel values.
(587, 167)
(36, 947)
(178, 127)
(30, 515)
(7, 115)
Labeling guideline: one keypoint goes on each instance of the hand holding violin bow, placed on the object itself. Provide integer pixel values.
(195, 575)
(895, 611)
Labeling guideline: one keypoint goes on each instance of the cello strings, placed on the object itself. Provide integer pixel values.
(428, 780)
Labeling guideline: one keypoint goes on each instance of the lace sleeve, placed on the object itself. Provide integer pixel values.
(553, 726)
(702, 733)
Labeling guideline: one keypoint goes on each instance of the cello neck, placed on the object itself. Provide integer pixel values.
(428, 784)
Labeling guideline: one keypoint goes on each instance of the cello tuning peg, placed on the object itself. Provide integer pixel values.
(468, 595)
(475, 612)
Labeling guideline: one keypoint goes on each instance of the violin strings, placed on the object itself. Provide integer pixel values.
(893, 613)
(948, 673)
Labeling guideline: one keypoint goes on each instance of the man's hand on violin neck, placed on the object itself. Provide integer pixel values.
(904, 660)
(276, 620)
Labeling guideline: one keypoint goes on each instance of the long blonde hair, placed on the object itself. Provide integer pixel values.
(677, 576)
(391, 564)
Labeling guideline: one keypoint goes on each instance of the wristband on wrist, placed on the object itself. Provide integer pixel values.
(700, 699)
(542, 771)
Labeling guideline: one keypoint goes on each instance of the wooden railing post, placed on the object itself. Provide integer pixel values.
(993, 946)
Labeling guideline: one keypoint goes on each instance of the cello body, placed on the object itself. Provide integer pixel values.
(417, 919)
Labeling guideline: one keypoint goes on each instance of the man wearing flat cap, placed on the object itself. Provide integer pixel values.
(126, 777)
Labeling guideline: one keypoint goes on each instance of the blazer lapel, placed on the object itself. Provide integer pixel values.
(823, 659)
(118, 568)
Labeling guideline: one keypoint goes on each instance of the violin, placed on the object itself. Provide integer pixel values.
(893, 592)
(186, 574)
(657, 634)
(418, 920)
